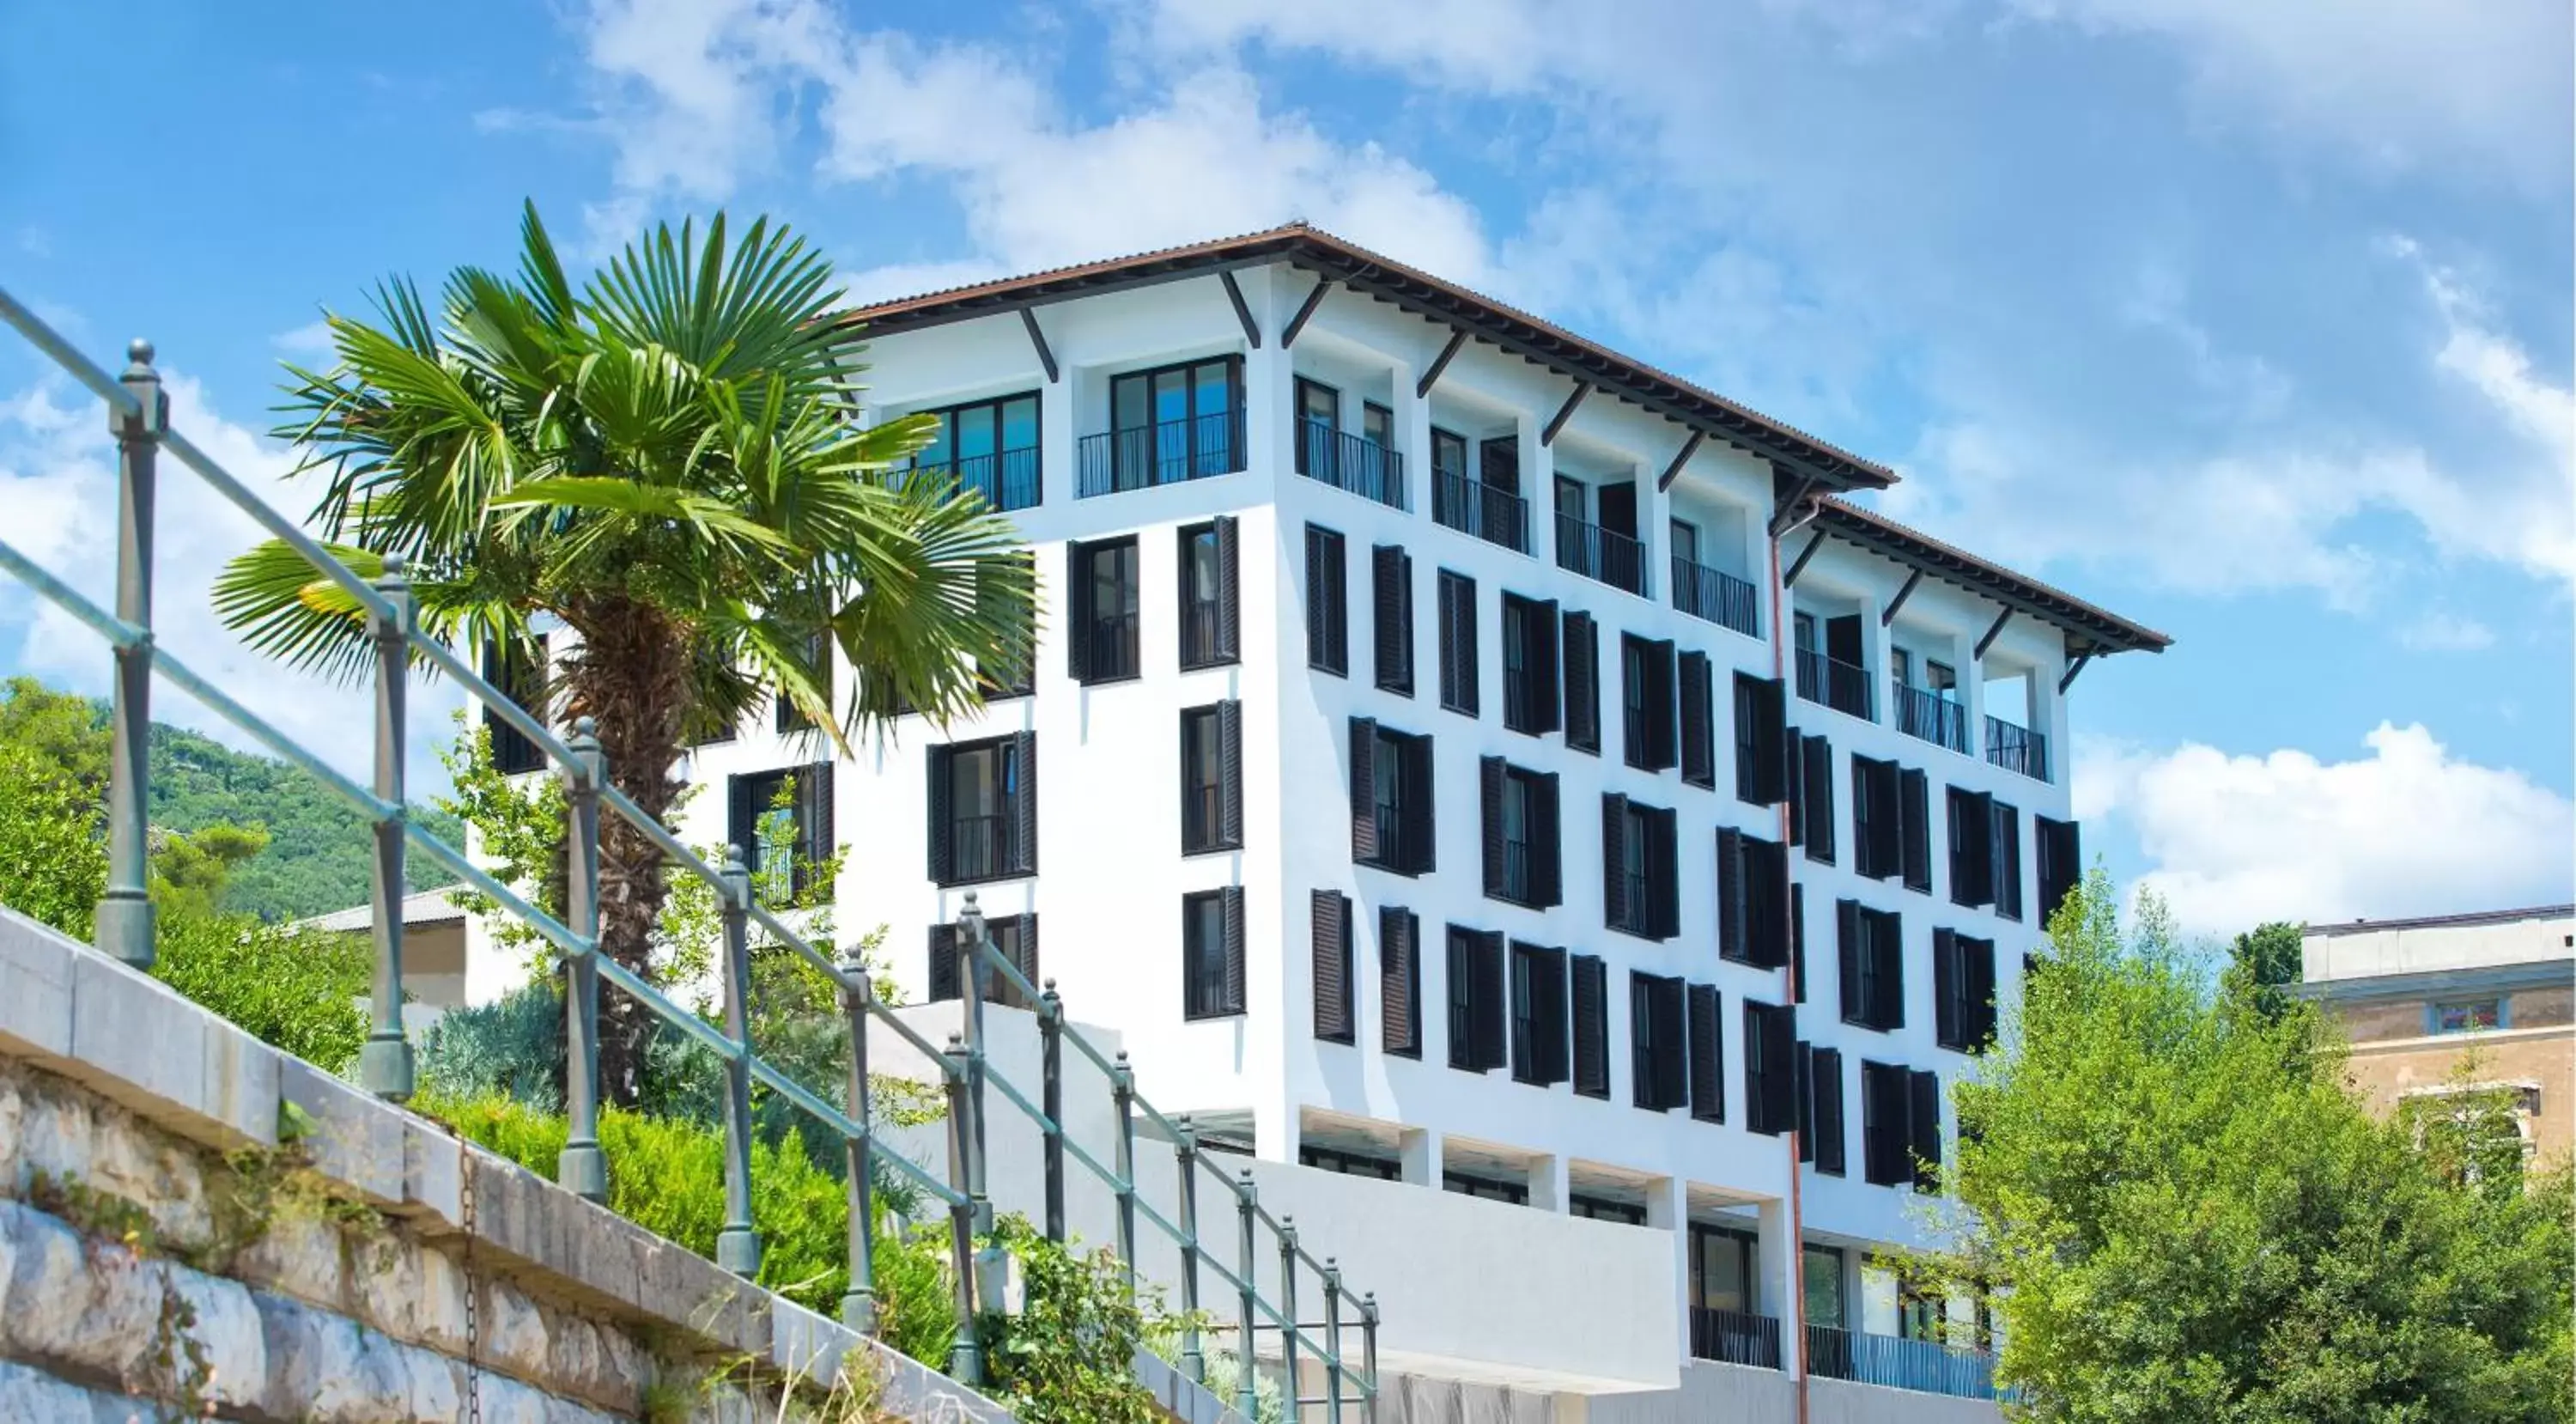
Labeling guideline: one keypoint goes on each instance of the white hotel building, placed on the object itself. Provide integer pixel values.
(1507, 780)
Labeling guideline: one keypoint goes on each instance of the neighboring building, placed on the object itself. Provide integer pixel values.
(434, 950)
(1478, 761)
(2418, 996)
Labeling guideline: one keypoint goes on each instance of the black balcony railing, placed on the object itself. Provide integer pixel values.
(1492, 514)
(982, 847)
(1516, 872)
(1111, 648)
(1714, 594)
(2017, 748)
(1166, 454)
(1602, 554)
(1840, 685)
(1925, 1365)
(1921, 712)
(1008, 480)
(1346, 460)
(1735, 1338)
(1200, 626)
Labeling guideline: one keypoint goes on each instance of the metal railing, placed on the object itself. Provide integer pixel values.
(1837, 684)
(138, 418)
(2016, 748)
(1347, 460)
(1604, 555)
(1921, 712)
(1494, 515)
(1716, 595)
(1008, 480)
(1112, 647)
(1167, 453)
(1925, 1365)
(1735, 1337)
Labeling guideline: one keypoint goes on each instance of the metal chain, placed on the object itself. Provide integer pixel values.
(473, 1311)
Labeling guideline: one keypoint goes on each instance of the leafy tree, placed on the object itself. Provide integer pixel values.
(2269, 958)
(666, 461)
(2190, 1217)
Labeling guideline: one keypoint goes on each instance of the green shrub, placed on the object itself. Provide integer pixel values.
(512, 1047)
(297, 989)
(1069, 1356)
(52, 865)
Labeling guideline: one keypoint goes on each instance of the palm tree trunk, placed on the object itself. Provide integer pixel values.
(630, 677)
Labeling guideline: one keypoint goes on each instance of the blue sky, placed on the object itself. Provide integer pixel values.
(2252, 322)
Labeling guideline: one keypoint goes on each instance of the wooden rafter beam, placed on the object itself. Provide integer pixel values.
(1887, 615)
(2068, 681)
(1297, 323)
(1242, 309)
(1037, 338)
(1799, 565)
(1993, 633)
(1564, 412)
(1440, 363)
(1673, 471)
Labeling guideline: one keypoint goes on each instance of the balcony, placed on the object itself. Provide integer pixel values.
(1837, 684)
(1007, 481)
(1718, 596)
(1924, 1365)
(1494, 515)
(1174, 451)
(1732, 1337)
(982, 847)
(1921, 712)
(1603, 555)
(2017, 748)
(1349, 461)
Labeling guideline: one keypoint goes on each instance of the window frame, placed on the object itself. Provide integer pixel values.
(1086, 626)
(1226, 971)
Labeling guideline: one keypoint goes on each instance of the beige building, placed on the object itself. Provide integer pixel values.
(2418, 995)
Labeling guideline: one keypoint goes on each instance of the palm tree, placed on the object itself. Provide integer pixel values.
(669, 463)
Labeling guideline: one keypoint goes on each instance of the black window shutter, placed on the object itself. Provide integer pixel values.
(1364, 844)
(1391, 588)
(1024, 806)
(1026, 957)
(1816, 754)
(1229, 591)
(1588, 989)
(1077, 598)
(1977, 970)
(1734, 935)
(1762, 749)
(1825, 1105)
(1543, 662)
(1547, 850)
(1493, 1008)
(1642, 1060)
(1923, 1122)
(1699, 730)
(943, 963)
(1667, 867)
(1458, 670)
(1582, 653)
(1886, 1123)
(1804, 1063)
(815, 840)
(1766, 900)
(1229, 733)
(2061, 864)
(1948, 988)
(1332, 930)
(1770, 1067)
(742, 818)
(1883, 935)
(1615, 911)
(1847, 936)
(1914, 796)
(1663, 708)
(1798, 939)
(1420, 832)
(1399, 934)
(1234, 969)
(1972, 847)
(1550, 1001)
(1672, 1045)
(1707, 1073)
(1524, 1035)
(1491, 774)
(940, 871)
(2007, 861)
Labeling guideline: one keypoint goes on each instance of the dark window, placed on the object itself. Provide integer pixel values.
(1100, 646)
(1336, 1016)
(1646, 680)
(1468, 1185)
(1448, 453)
(1657, 1038)
(1872, 944)
(1210, 594)
(1014, 937)
(770, 814)
(1640, 874)
(816, 664)
(1391, 817)
(1886, 1124)
(1724, 1274)
(1174, 423)
(1319, 419)
(1771, 1054)
(1529, 665)
(1539, 1046)
(517, 672)
(1589, 981)
(1972, 847)
(1752, 899)
(1825, 1108)
(1582, 648)
(983, 809)
(1377, 425)
(1014, 672)
(990, 447)
(1476, 993)
(1391, 584)
(1697, 693)
(1602, 1209)
(1914, 816)
(1816, 797)
(2007, 861)
(1707, 1053)
(1399, 954)
(1458, 643)
(1212, 953)
(1212, 777)
(1923, 1124)
(1521, 838)
(1761, 745)
(1328, 614)
(1963, 991)
(1878, 840)
(2061, 863)
(1349, 1164)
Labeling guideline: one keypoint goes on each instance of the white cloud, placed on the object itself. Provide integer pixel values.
(2406, 830)
(307, 342)
(2439, 632)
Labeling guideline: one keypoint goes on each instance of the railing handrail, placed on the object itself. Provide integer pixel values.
(139, 412)
(1106, 448)
(1344, 449)
(1716, 595)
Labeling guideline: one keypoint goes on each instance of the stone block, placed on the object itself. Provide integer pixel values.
(433, 1174)
(411, 1291)
(513, 1329)
(140, 1042)
(352, 1138)
(35, 989)
(30, 1396)
(164, 1174)
(230, 1357)
(88, 1305)
(299, 1255)
(53, 1133)
(325, 1369)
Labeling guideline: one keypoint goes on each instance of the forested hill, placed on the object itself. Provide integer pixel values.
(318, 846)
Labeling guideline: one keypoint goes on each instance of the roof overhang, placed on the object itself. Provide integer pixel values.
(2090, 631)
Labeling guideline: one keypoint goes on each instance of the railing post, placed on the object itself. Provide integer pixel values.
(384, 1065)
(1247, 1266)
(1122, 1093)
(965, 1357)
(1051, 1102)
(859, 1299)
(1186, 1151)
(737, 1244)
(582, 1169)
(1288, 1314)
(1368, 1354)
(971, 942)
(123, 926)
(1333, 1337)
